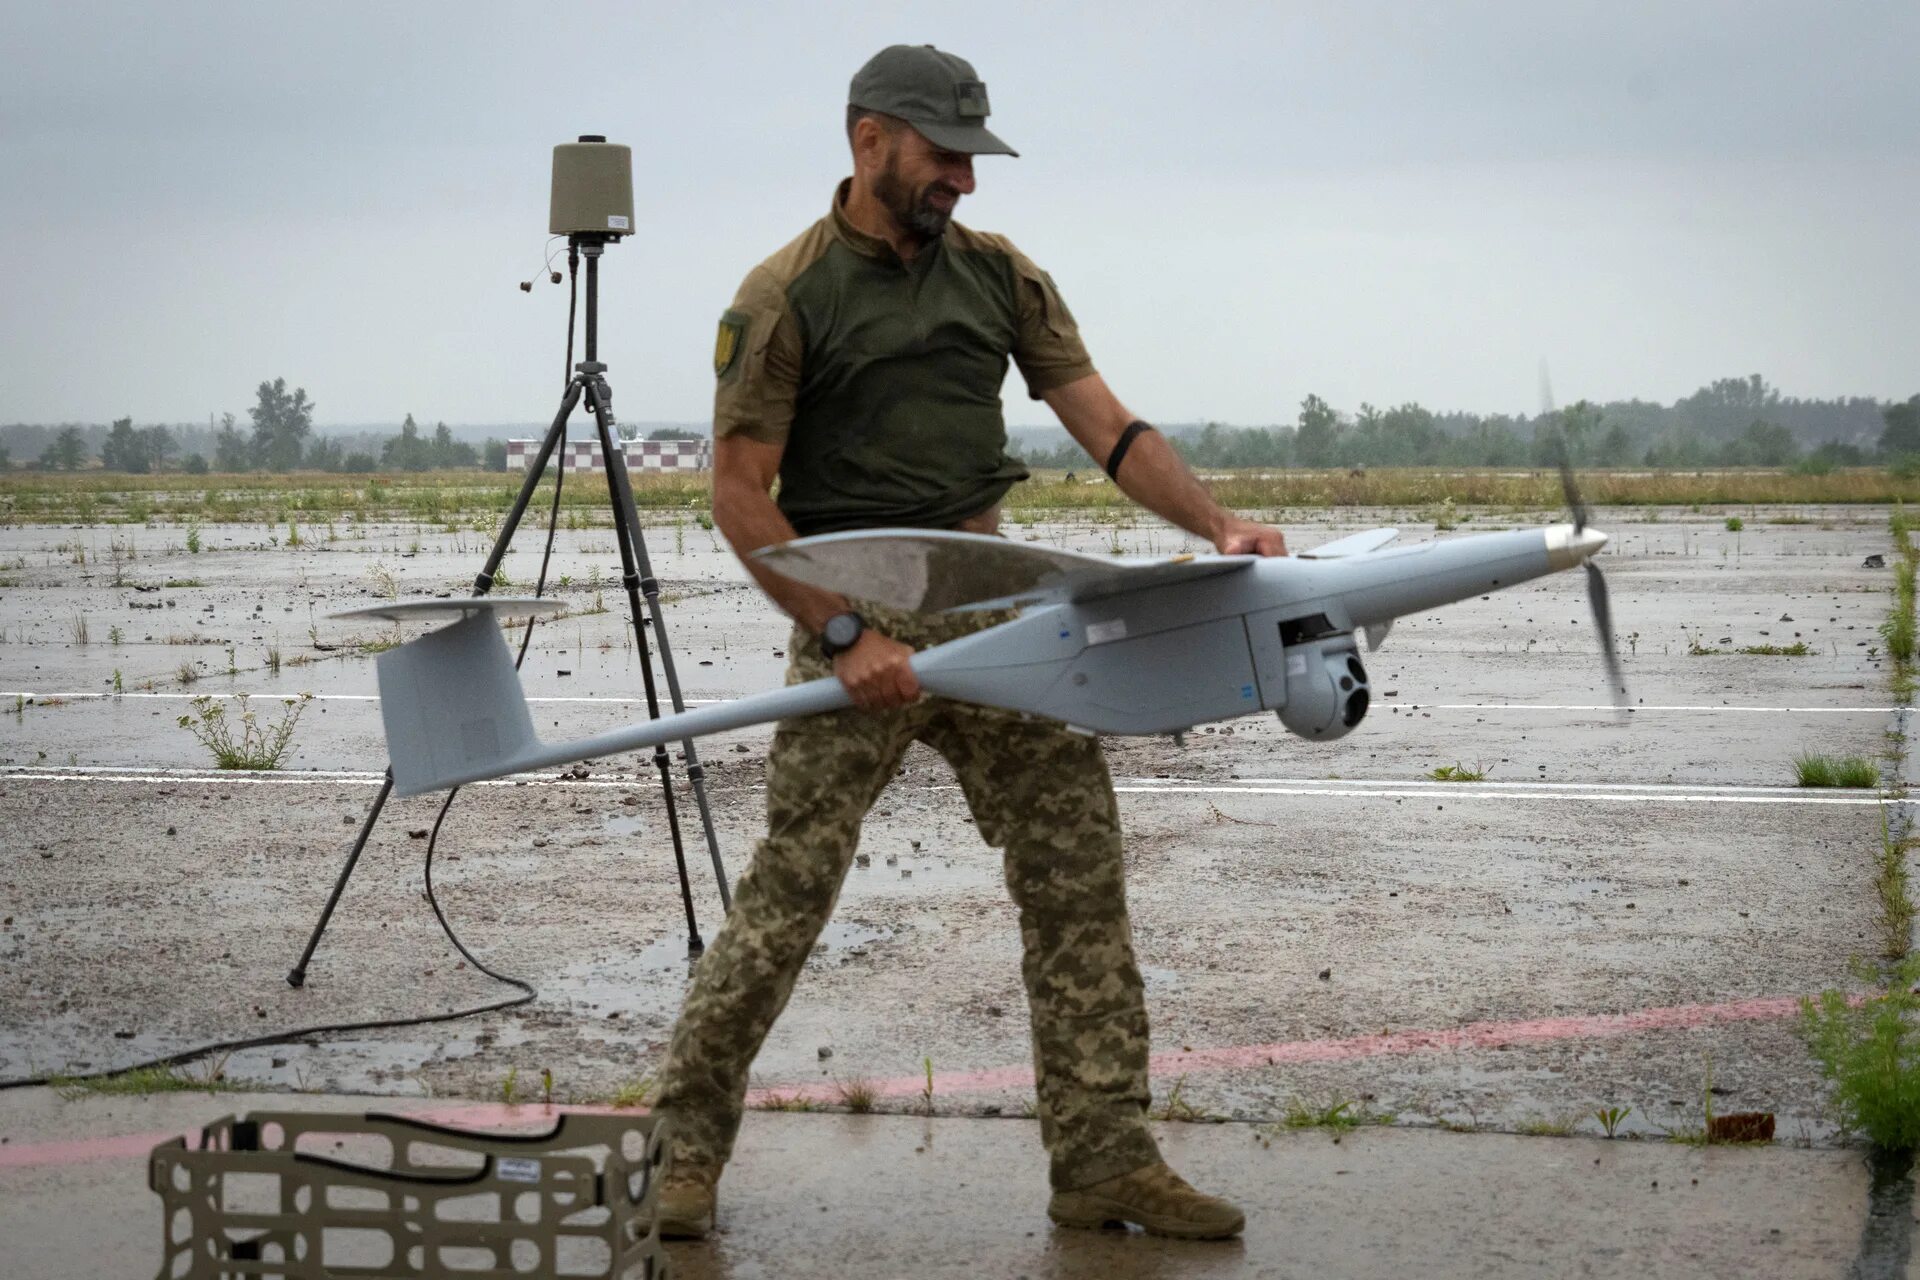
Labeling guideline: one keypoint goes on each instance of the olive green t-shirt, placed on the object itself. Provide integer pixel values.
(882, 378)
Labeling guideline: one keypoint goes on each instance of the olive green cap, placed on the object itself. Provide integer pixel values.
(937, 93)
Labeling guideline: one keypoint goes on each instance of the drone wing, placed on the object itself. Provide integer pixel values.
(928, 571)
(1355, 545)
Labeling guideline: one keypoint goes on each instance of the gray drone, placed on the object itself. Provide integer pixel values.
(1120, 646)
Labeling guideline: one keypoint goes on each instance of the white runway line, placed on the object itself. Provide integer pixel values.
(1604, 793)
(93, 696)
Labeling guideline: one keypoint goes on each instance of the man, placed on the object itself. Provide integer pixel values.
(861, 367)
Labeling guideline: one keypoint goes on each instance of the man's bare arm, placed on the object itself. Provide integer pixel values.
(1153, 474)
(743, 508)
(875, 669)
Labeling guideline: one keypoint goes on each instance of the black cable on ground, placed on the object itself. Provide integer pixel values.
(527, 992)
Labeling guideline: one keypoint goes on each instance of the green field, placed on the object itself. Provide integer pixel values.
(475, 499)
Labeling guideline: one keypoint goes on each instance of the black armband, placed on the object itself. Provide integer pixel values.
(1120, 447)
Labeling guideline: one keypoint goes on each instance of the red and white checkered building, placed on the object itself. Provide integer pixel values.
(642, 455)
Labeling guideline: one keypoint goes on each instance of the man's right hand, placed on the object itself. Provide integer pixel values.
(877, 672)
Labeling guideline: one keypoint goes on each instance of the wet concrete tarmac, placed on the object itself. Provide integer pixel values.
(1657, 867)
(889, 1196)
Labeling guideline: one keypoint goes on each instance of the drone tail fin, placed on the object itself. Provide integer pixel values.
(452, 707)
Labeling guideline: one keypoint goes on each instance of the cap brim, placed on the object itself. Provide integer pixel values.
(973, 140)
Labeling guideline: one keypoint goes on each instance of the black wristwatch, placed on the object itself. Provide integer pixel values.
(841, 633)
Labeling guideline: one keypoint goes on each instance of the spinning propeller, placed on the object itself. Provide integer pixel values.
(1597, 598)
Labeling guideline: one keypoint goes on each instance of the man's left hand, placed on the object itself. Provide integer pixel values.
(1239, 537)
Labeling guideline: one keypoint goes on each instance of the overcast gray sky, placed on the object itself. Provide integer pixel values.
(1243, 203)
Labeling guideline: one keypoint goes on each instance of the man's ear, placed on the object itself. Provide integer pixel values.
(871, 138)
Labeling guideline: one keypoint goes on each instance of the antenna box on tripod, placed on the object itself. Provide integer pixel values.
(312, 1196)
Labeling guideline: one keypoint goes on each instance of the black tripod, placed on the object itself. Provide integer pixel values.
(588, 380)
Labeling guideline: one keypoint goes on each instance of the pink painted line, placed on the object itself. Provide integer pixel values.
(1475, 1035)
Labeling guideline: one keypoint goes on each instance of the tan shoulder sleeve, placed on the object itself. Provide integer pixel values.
(756, 359)
(1047, 347)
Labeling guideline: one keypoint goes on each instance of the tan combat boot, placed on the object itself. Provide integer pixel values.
(684, 1203)
(1156, 1198)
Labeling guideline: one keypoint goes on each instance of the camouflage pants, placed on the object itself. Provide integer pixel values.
(1037, 791)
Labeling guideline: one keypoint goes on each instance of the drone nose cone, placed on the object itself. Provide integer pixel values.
(1567, 546)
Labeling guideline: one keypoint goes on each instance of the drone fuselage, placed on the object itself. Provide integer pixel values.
(1277, 634)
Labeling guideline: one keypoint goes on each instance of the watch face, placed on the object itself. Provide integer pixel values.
(842, 630)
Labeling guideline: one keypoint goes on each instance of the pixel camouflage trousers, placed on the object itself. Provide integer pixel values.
(1038, 792)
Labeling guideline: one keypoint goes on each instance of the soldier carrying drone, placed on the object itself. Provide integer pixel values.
(861, 365)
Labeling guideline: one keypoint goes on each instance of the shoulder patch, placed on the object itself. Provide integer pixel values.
(727, 346)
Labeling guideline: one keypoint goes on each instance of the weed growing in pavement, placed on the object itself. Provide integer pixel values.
(1610, 1117)
(384, 583)
(1457, 772)
(211, 1078)
(634, 1092)
(193, 539)
(1815, 770)
(1545, 1127)
(785, 1102)
(186, 673)
(1798, 649)
(185, 582)
(926, 1091)
(1890, 884)
(256, 747)
(293, 534)
(115, 635)
(857, 1095)
(118, 685)
(1176, 1107)
(510, 1086)
(546, 1085)
(1735, 524)
(1870, 1053)
(78, 625)
(1339, 1114)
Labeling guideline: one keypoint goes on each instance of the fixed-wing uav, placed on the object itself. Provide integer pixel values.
(1121, 646)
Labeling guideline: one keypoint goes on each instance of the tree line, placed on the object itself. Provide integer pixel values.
(279, 436)
(1734, 422)
(1730, 422)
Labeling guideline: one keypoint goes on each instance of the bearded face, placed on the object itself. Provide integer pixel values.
(923, 210)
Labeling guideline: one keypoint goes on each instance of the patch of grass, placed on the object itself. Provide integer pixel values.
(1735, 524)
(1890, 885)
(185, 582)
(1870, 1054)
(141, 1081)
(634, 1092)
(1798, 649)
(1815, 770)
(785, 1102)
(1177, 1108)
(1548, 1127)
(1457, 772)
(857, 1095)
(256, 747)
(1339, 1114)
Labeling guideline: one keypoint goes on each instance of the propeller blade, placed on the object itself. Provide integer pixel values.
(1572, 490)
(1603, 624)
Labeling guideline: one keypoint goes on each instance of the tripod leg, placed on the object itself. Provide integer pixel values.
(298, 976)
(626, 528)
(482, 584)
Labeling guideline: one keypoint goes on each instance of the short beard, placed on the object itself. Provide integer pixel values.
(910, 210)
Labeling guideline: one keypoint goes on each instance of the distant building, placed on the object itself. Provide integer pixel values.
(642, 455)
